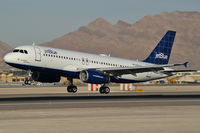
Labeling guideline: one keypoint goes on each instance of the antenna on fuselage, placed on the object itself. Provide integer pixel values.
(33, 43)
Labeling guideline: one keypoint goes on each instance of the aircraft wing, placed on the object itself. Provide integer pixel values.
(177, 71)
(116, 71)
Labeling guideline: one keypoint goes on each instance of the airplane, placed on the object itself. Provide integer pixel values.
(49, 64)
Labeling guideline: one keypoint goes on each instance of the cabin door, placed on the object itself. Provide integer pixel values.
(37, 54)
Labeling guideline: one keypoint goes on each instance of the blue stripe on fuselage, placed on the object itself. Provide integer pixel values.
(64, 72)
(42, 69)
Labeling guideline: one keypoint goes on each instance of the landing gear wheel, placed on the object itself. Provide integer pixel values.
(104, 90)
(27, 82)
(101, 90)
(69, 89)
(107, 90)
(72, 88)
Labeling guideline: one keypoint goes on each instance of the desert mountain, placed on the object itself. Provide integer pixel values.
(136, 41)
(4, 48)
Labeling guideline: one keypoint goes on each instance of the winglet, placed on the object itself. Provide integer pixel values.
(186, 64)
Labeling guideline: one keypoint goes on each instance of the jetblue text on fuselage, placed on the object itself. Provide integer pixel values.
(161, 56)
(49, 51)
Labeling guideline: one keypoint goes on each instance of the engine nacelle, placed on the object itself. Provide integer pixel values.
(45, 77)
(94, 77)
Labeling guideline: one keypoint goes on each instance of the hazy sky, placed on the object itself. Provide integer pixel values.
(25, 21)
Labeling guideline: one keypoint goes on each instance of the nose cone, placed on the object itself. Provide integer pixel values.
(7, 58)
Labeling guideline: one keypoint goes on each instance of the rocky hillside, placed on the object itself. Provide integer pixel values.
(4, 48)
(136, 41)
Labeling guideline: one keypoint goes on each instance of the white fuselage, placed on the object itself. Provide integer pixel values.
(69, 63)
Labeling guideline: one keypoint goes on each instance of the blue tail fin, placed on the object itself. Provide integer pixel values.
(160, 55)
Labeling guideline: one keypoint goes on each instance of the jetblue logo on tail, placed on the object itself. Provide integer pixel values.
(161, 56)
(161, 53)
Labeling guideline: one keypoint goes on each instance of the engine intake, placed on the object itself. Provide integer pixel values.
(45, 77)
(94, 77)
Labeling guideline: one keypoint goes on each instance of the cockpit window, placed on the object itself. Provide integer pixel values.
(20, 50)
(16, 50)
(25, 51)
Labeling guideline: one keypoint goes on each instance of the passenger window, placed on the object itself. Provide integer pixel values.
(87, 60)
(25, 52)
(21, 51)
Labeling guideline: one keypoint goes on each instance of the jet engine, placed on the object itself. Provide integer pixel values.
(94, 77)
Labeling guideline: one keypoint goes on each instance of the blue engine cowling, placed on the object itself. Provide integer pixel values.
(94, 77)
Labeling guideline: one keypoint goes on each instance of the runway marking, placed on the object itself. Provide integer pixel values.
(97, 102)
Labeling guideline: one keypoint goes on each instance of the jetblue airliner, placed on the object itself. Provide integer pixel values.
(49, 64)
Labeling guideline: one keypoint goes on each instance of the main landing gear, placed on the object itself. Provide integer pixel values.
(104, 89)
(71, 88)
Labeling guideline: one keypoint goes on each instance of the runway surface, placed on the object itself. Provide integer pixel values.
(49, 110)
(85, 100)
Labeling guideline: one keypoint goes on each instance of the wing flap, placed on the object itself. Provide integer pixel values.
(117, 71)
(128, 70)
(177, 71)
